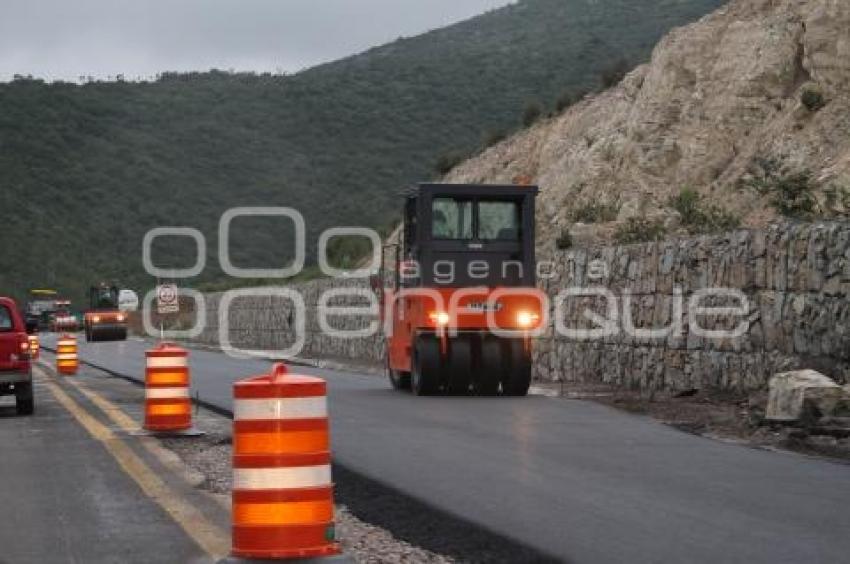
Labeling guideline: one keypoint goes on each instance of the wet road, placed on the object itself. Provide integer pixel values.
(578, 480)
(63, 498)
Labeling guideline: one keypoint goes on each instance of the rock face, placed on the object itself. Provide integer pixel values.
(791, 392)
(728, 106)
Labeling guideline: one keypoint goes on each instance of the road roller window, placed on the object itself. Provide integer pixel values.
(106, 299)
(451, 219)
(498, 221)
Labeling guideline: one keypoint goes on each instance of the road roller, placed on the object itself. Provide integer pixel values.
(104, 321)
(458, 291)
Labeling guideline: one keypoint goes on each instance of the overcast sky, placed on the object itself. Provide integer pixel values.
(65, 39)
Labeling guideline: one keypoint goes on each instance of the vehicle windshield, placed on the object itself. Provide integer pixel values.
(452, 219)
(105, 299)
(498, 220)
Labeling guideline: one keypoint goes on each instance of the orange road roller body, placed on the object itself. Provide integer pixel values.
(104, 321)
(461, 304)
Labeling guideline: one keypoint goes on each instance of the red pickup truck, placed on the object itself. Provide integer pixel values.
(15, 367)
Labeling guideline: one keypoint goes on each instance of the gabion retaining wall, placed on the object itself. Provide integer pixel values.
(796, 278)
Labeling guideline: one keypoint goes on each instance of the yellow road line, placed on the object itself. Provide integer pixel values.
(208, 536)
(124, 421)
(130, 426)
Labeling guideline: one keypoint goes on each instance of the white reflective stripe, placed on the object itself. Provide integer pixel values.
(166, 393)
(66, 357)
(67, 344)
(281, 478)
(167, 361)
(280, 408)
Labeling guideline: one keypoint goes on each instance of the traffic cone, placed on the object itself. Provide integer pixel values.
(283, 506)
(67, 359)
(168, 407)
(35, 347)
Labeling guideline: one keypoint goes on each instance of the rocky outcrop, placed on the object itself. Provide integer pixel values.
(729, 106)
(791, 394)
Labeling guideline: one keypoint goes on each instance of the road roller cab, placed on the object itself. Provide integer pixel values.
(462, 300)
(104, 321)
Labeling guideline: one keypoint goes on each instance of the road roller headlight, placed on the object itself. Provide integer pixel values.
(439, 318)
(527, 319)
(95, 319)
(120, 317)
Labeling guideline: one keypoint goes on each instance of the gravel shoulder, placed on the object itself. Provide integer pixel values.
(374, 523)
(210, 456)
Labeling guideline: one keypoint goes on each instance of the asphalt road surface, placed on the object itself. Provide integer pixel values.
(580, 481)
(63, 498)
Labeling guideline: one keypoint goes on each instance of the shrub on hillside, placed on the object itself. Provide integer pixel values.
(791, 193)
(596, 212)
(347, 252)
(699, 216)
(812, 98)
(448, 161)
(494, 137)
(533, 111)
(639, 230)
(564, 101)
(614, 73)
(564, 240)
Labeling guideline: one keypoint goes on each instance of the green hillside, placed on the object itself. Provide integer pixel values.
(86, 170)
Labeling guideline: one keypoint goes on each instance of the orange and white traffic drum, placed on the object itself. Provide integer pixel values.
(168, 406)
(283, 504)
(67, 357)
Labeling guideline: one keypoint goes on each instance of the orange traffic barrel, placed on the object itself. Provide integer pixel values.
(283, 506)
(67, 360)
(35, 347)
(167, 403)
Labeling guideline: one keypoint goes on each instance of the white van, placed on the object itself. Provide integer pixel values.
(128, 300)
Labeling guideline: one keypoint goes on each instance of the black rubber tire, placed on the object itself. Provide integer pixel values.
(459, 366)
(89, 336)
(398, 380)
(426, 365)
(517, 377)
(24, 401)
(491, 367)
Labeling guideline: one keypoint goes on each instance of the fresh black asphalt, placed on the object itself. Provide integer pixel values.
(574, 479)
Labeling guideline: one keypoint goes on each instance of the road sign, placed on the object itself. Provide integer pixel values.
(167, 299)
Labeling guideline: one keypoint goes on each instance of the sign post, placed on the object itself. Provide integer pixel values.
(167, 302)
